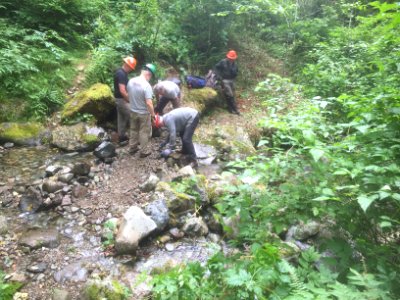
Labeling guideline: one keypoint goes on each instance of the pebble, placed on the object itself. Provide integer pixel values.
(40, 277)
(165, 238)
(169, 247)
(74, 209)
(39, 268)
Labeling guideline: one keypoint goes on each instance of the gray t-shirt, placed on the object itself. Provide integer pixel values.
(139, 90)
(171, 89)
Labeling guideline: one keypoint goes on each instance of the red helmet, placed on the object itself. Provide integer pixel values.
(130, 61)
(231, 54)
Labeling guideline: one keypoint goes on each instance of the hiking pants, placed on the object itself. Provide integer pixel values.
(163, 102)
(187, 136)
(124, 115)
(228, 88)
(140, 132)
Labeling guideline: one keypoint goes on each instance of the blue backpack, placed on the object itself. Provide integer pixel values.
(195, 82)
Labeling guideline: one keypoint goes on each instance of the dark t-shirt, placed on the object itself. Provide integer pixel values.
(226, 69)
(120, 77)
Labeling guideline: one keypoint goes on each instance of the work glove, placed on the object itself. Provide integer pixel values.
(166, 153)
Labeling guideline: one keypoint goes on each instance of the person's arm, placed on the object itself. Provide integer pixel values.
(123, 91)
(150, 107)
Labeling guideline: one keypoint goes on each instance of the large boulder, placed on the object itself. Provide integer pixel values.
(96, 100)
(195, 227)
(135, 226)
(78, 137)
(200, 99)
(158, 211)
(24, 134)
(177, 202)
(105, 150)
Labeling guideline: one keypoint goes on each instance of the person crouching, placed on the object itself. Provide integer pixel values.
(182, 121)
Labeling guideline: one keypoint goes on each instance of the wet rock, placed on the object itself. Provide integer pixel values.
(96, 100)
(150, 184)
(170, 247)
(135, 225)
(66, 178)
(158, 212)
(38, 268)
(195, 227)
(52, 186)
(176, 202)
(8, 145)
(61, 295)
(81, 169)
(303, 231)
(31, 201)
(105, 150)
(52, 170)
(176, 233)
(79, 191)
(3, 225)
(74, 272)
(206, 154)
(103, 289)
(40, 238)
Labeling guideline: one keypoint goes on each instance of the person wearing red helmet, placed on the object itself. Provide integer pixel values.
(121, 96)
(226, 71)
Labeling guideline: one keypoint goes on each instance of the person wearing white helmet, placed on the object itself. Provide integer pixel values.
(121, 96)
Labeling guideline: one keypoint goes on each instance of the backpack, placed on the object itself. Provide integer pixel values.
(195, 82)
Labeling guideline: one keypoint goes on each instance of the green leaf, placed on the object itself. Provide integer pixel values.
(316, 154)
(365, 201)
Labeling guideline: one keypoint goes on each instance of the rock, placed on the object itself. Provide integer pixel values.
(21, 296)
(213, 237)
(61, 295)
(232, 226)
(52, 170)
(176, 202)
(105, 150)
(158, 212)
(3, 225)
(31, 201)
(40, 238)
(39, 268)
(66, 201)
(186, 171)
(303, 231)
(176, 233)
(24, 134)
(97, 100)
(206, 154)
(66, 178)
(164, 239)
(150, 184)
(74, 209)
(66, 189)
(18, 277)
(79, 191)
(74, 272)
(195, 227)
(210, 217)
(200, 99)
(76, 137)
(81, 169)
(52, 186)
(170, 247)
(8, 145)
(135, 226)
(103, 289)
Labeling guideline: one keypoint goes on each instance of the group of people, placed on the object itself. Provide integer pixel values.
(134, 101)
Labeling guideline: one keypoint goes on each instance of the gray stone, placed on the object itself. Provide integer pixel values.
(31, 201)
(74, 272)
(52, 186)
(158, 212)
(81, 169)
(170, 247)
(8, 145)
(52, 170)
(66, 189)
(3, 224)
(38, 268)
(66, 201)
(176, 202)
(40, 238)
(206, 154)
(135, 226)
(150, 184)
(61, 295)
(195, 227)
(176, 233)
(79, 191)
(303, 231)
(212, 222)
(66, 178)
(105, 150)
(213, 237)
(184, 172)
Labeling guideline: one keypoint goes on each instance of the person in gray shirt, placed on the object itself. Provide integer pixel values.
(140, 96)
(166, 91)
(183, 122)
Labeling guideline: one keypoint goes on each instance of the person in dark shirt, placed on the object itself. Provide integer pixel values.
(121, 96)
(226, 71)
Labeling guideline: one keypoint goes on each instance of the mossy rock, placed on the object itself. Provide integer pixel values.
(105, 289)
(200, 99)
(25, 134)
(97, 100)
(78, 137)
(176, 201)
